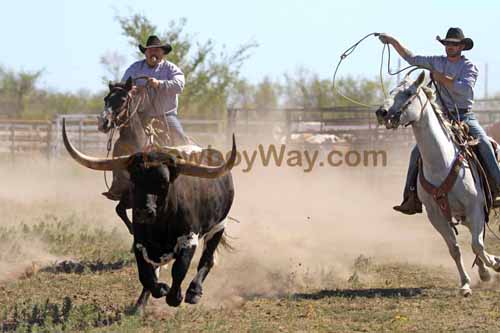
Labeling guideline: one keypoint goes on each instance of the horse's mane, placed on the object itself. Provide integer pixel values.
(437, 109)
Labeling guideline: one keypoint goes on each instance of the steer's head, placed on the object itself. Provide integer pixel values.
(138, 164)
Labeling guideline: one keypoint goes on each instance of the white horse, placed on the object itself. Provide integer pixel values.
(412, 103)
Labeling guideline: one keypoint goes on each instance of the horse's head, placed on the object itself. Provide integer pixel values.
(404, 104)
(116, 104)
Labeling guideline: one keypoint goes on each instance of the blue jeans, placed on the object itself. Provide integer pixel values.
(175, 128)
(484, 147)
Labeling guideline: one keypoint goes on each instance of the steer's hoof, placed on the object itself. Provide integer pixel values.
(193, 294)
(174, 299)
(161, 290)
(138, 310)
(192, 297)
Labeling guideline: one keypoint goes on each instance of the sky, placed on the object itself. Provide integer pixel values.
(67, 38)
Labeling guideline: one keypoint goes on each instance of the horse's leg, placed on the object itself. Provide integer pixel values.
(442, 225)
(195, 291)
(121, 210)
(476, 222)
(484, 272)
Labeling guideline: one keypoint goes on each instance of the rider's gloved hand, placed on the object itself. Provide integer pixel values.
(153, 83)
(385, 38)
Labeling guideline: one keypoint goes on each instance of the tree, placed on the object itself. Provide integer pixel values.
(267, 94)
(305, 89)
(241, 95)
(113, 63)
(16, 89)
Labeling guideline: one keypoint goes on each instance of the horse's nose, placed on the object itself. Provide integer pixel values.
(392, 120)
(381, 114)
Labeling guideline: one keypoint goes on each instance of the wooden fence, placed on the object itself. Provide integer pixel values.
(22, 137)
(18, 137)
(358, 124)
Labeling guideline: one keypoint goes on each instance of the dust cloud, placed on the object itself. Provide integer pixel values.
(297, 230)
(301, 231)
(32, 191)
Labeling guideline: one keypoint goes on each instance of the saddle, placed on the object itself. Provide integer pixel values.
(468, 152)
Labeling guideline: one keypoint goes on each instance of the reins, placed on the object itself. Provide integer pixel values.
(457, 135)
(149, 130)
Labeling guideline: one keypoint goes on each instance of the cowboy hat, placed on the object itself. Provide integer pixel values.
(456, 35)
(152, 42)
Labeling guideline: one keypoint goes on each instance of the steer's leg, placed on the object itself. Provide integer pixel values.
(142, 301)
(148, 276)
(121, 210)
(179, 270)
(195, 290)
(443, 227)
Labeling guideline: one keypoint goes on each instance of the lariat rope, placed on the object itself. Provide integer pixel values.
(349, 51)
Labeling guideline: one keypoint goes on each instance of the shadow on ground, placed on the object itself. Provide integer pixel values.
(80, 267)
(366, 293)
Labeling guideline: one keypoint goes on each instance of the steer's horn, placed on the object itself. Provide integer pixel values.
(203, 171)
(95, 163)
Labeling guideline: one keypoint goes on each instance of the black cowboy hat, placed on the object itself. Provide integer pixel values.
(456, 35)
(154, 41)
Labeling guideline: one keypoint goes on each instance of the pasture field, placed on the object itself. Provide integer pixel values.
(315, 252)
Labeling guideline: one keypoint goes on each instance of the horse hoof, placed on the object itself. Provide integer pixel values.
(496, 266)
(485, 277)
(466, 292)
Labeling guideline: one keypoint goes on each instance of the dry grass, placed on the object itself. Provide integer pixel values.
(314, 252)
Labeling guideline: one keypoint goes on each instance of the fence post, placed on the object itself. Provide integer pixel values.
(12, 141)
(80, 135)
(321, 121)
(288, 125)
(231, 119)
(49, 140)
(55, 144)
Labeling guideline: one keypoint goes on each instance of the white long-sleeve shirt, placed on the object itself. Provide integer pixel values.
(171, 83)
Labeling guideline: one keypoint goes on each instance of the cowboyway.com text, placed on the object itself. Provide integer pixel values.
(307, 160)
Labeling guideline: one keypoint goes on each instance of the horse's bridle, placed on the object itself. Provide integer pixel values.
(397, 115)
(124, 109)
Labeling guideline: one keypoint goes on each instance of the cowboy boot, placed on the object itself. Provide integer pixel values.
(495, 194)
(411, 204)
(119, 186)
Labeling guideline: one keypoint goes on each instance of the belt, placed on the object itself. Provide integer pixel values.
(464, 111)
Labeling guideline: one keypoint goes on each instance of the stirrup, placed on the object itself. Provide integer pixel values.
(496, 202)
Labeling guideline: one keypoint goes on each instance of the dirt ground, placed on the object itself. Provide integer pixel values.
(316, 251)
